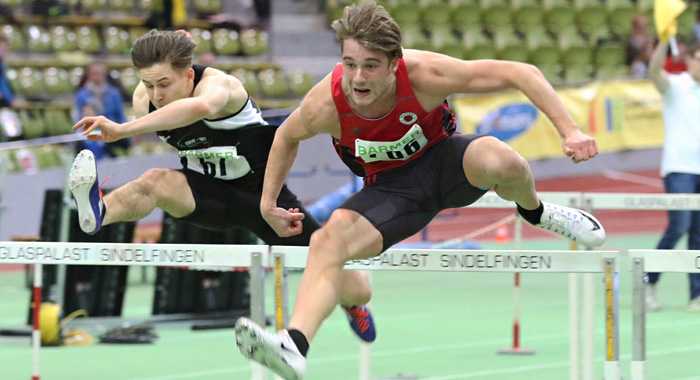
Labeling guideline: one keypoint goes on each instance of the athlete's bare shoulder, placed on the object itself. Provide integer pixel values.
(318, 112)
(217, 85)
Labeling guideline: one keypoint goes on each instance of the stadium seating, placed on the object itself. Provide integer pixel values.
(249, 80)
(117, 40)
(226, 42)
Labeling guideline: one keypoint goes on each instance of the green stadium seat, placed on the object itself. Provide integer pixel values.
(130, 79)
(226, 41)
(560, 18)
(57, 81)
(435, 13)
(543, 50)
(202, 39)
(47, 156)
(645, 6)
(135, 32)
(57, 122)
(466, 14)
(207, 6)
(121, 5)
(518, 4)
(591, 16)
(31, 82)
(253, 42)
(39, 39)
(13, 78)
(334, 9)
(619, 16)
(249, 80)
(577, 73)
(552, 72)
(610, 54)
(574, 49)
(117, 41)
(300, 83)
(63, 39)
(686, 20)
(527, 18)
(495, 15)
(273, 84)
(15, 36)
(406, 13)
(93, 5)
(415, 38)
(478, 46)
(612, 72)
(75, 75)
(150, 5)
(88, 40)
(32, 124)
(445, 42)
(509, 46)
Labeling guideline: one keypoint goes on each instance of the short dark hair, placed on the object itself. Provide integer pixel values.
(371, 26)
(160, 47)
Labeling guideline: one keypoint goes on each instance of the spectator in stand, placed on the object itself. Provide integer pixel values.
(7, 96)
(207, 58)
(640, 39)
(95, 96)
(639, 68)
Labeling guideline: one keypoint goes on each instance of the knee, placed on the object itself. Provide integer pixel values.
(151, 181)
(327, 243)
(502, 163)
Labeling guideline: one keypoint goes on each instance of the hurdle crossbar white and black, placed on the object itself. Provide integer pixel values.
(679, 261)
(216, 257)
(438, 260)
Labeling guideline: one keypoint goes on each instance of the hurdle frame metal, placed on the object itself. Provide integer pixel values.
(604, 262)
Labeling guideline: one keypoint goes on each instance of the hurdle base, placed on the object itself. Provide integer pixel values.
(516, 351)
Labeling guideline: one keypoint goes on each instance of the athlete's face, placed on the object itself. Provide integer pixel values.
(164, 84)
(368, 76)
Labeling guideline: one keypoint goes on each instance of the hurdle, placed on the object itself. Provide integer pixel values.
(581, 342)
(204, 256)
(680, 261)
(489, 261)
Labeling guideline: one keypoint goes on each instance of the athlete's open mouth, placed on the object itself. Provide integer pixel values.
(361, 91)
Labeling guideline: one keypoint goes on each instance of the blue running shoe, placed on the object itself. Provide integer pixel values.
(82, 181)
(361, 322)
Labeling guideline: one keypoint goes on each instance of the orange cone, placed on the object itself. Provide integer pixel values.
(502, 234)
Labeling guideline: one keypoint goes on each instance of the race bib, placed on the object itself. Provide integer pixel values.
(222, 162)
(411, 143)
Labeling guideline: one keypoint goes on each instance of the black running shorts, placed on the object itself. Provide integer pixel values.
(402, 201)
(221, 205)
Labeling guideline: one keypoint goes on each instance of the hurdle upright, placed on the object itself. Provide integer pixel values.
(202, 256)
(680, 261)
(438, 260)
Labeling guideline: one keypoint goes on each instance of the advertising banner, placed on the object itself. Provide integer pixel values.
(620, 115)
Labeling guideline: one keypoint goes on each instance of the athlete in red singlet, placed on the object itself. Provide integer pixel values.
(385, 108)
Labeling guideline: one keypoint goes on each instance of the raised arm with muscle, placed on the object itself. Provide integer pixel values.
(657, 74)
(216, 95)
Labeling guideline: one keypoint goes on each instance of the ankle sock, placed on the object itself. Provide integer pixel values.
(532, 216)
(300, 340)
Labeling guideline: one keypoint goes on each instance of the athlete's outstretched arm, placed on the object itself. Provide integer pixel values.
(445, 76)
(213, 93)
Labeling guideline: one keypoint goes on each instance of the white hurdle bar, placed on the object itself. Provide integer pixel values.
(681, 261)
(444, 260)
(581, 342)
(202, 256)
